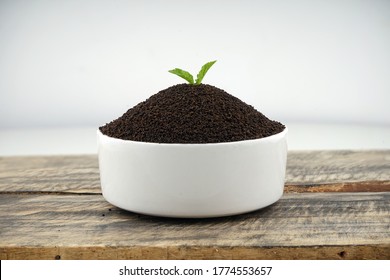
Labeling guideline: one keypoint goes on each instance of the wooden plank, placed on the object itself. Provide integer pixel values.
(316, 171)
(58, 174)
(368, 186)
(52, 209)
(298, 226)
(329, 167)
(366, 252)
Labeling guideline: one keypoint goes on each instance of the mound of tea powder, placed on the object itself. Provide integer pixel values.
(187, 113)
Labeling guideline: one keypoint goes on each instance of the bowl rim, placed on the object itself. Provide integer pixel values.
(273, 137)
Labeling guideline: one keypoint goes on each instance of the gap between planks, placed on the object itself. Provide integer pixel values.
(371, 186)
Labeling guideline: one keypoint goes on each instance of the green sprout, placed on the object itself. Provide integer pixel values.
(189, 78)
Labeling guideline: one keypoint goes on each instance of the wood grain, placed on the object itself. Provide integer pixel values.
(59, 174)
(336, 206)
(329, 167)
(363, 252)
(298, 226)
(316, 171)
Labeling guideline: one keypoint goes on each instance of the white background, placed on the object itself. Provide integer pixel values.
(84, 63)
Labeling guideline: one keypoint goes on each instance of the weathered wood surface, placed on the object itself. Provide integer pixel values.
(310, 225)
(336, 206)
(70, 174)
(346, 171)
(324, 167)
(198, 253)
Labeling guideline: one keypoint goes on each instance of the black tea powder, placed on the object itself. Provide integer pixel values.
(187, 113)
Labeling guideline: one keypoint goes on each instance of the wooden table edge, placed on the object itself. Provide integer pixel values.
(325, 252)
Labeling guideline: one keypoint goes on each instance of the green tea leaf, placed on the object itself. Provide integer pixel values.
(183, 74)
(203, 71)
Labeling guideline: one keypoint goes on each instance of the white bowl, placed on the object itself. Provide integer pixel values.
(192, 180)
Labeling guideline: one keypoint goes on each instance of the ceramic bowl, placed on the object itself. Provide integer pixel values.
(192, 180)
